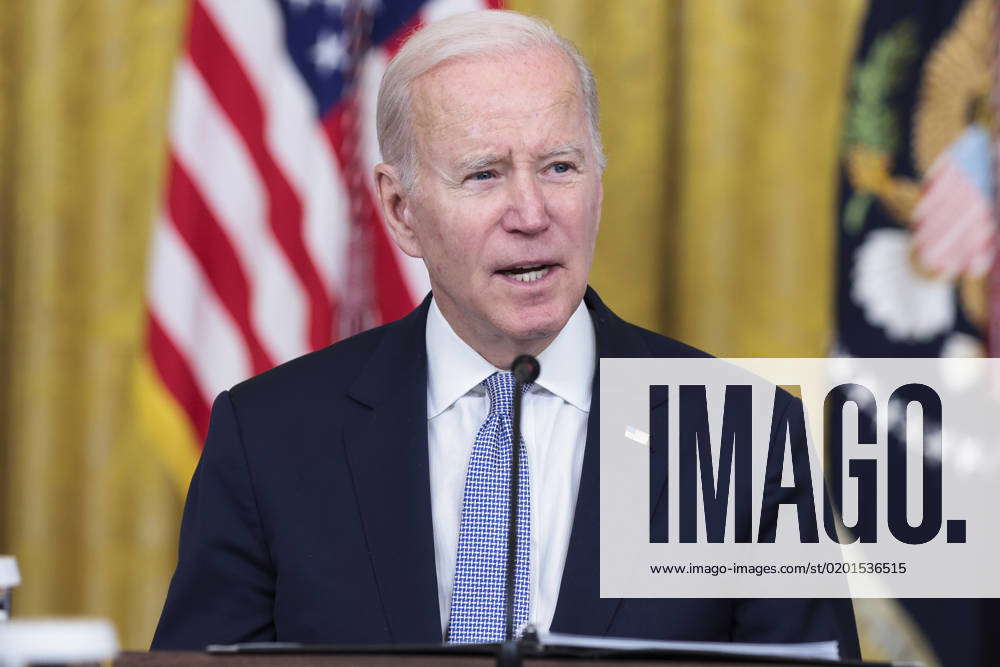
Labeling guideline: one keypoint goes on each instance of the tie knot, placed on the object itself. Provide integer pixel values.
(500, 389)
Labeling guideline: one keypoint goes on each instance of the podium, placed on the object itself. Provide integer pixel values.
(454, 656)
(198, 659)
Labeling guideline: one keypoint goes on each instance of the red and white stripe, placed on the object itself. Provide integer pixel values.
(251, 245)
(955, 230)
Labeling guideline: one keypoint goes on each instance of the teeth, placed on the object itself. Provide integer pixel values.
(531, 276)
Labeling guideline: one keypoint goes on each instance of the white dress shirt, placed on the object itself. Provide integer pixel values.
(554, 427)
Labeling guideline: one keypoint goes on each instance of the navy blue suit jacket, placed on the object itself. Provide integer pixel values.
(309, 517)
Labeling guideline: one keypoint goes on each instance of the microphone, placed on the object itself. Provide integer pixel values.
(525, 369)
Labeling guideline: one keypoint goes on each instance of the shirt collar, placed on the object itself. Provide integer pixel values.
(453, 368)
(568, 362)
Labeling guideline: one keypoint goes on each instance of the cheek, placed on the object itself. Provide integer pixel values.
(451, 247)
(580, 222)
(463, 233)
(430, 232)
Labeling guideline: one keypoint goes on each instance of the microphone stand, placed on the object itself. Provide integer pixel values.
(525, 370)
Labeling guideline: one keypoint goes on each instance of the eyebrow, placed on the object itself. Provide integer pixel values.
(568, 149)
(480, 162)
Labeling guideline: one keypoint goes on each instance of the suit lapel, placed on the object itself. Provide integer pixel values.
(385, 436)
(580, 608)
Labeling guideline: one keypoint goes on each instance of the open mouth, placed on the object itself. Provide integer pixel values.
(527, 273)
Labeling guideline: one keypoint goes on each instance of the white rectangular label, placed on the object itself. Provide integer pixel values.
(746, 459)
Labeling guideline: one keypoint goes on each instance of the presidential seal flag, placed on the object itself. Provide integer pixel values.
(918, 230)
(268, 243)
(918, 242)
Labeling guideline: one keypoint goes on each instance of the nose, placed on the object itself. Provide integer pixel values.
(527, 211)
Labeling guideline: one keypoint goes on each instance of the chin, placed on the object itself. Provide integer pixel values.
(532, 327)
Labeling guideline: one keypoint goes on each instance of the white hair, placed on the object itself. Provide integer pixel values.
(477, 33)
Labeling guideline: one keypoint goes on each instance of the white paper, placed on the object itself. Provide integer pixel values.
(828, 650)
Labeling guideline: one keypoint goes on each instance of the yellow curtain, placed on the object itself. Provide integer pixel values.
(721, 122)
(89, 512)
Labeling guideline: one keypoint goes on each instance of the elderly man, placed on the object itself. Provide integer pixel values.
(356, 494)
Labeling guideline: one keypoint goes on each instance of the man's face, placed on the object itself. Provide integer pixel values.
(507, 198)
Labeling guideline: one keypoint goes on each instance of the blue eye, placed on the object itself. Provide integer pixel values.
(561, 167)
(482, 176)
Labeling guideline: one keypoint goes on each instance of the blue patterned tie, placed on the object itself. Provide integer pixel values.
(477, 601)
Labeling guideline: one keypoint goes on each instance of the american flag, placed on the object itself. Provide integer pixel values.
(954, 221)
(268, 243)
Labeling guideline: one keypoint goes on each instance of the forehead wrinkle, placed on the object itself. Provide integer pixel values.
(452, 116)
(474, 132)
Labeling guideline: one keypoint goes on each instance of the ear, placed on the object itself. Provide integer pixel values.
(397, 208)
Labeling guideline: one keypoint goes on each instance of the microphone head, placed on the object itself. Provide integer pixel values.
(525, 368)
